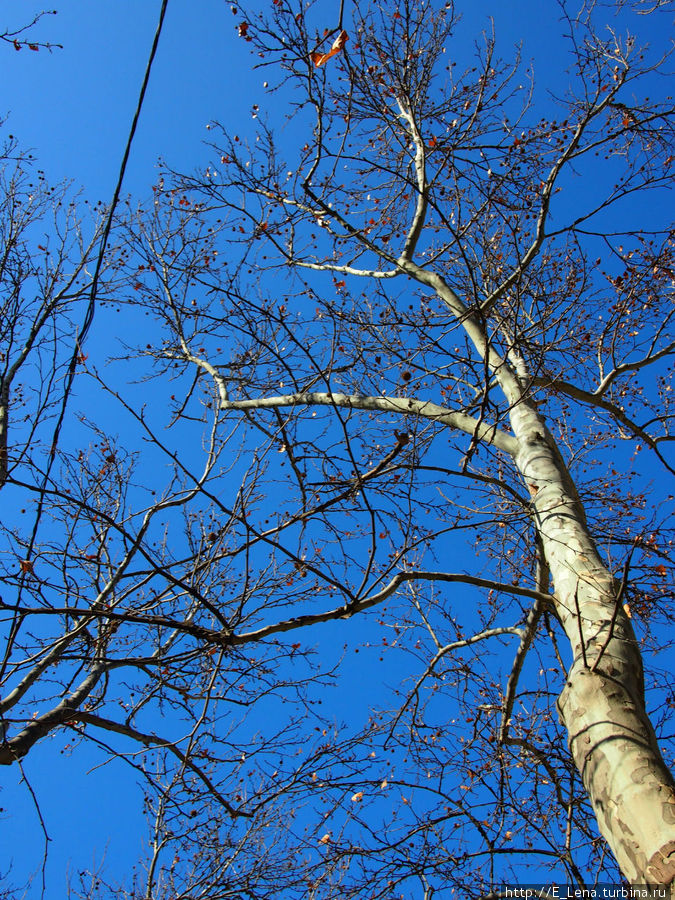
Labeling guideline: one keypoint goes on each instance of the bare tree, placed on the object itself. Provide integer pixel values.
(43, 276)
(411, 363)
(451, 188)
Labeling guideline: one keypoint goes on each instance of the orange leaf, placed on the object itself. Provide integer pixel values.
(320, 58)
(26, 565)
(242, 29)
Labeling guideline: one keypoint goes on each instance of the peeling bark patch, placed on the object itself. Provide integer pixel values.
(660, 868)
(641, 774)
(602, 705)
(615, 750)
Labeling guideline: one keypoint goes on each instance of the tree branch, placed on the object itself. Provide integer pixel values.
(402, 406)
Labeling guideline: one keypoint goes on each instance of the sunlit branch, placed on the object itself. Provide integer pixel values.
(594, 398)
(417, 224)
(50, 657)
(621, 369)
(19, 745)
(402, 406)
(345, 270)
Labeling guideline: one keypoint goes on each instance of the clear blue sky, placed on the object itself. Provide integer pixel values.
(73, 107)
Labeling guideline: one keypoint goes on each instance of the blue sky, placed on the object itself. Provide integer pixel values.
(72, 108)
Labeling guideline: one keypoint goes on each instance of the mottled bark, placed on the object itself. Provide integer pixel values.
(602, 705)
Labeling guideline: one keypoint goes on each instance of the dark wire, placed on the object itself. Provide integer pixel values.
(91, 305)
(106, 233)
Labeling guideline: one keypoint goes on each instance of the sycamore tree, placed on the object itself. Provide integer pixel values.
(358, 551)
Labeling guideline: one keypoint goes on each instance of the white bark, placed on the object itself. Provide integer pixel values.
(602, 705)
(402, 405)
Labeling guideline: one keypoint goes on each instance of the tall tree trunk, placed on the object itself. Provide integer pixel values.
(602, 705)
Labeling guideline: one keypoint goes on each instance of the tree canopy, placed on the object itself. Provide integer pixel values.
(356, 547)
